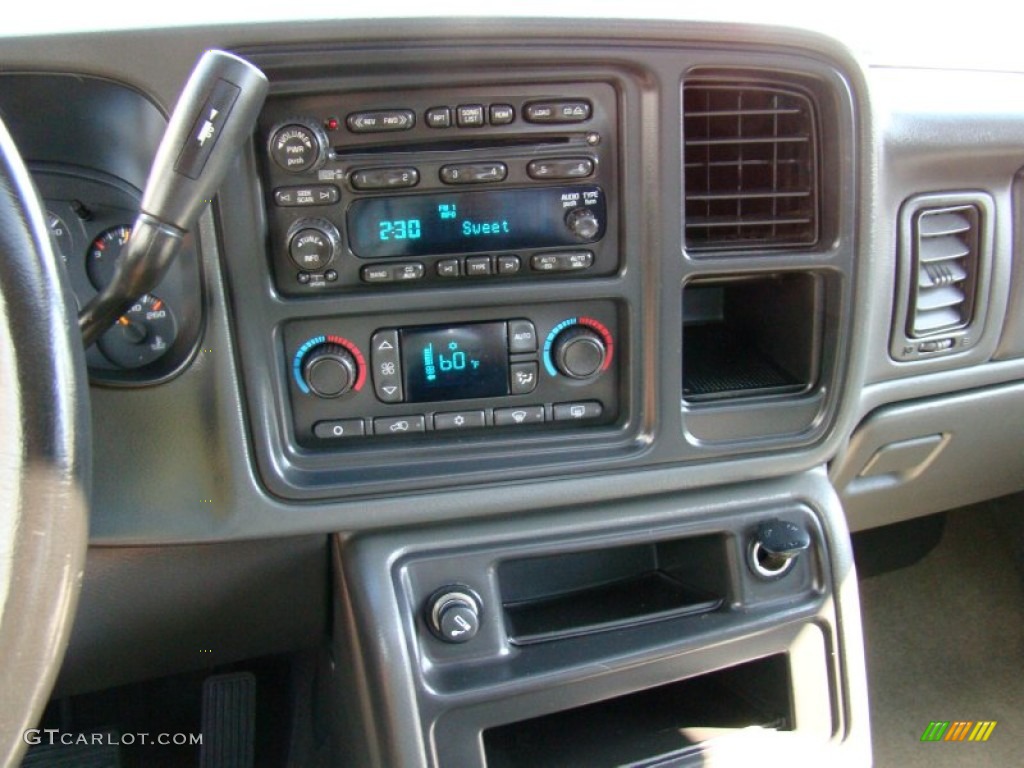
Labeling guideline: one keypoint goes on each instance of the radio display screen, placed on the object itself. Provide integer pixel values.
(454, 362)
(469, 222)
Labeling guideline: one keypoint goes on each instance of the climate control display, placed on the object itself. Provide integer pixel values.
(455, 363)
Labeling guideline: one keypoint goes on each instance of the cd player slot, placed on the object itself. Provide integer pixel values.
(456, 145)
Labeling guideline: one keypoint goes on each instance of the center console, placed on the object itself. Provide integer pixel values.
(559, 268)
(647, 633)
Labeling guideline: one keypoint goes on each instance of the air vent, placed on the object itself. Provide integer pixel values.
(944, 271)
(946, 252)
(751, 167)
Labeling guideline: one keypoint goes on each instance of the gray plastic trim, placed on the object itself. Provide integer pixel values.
(952, 474)
(421, 702)
(937, 131)
(145, 612)
(195, 480)
(1012, 343)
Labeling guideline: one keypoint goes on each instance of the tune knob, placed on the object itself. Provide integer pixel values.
(298, 145)
(583, 223)
(579, 352)
(329, 370)
(313, 243)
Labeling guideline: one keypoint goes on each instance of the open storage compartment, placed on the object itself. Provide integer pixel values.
(653, 726)
(577, 593)
(751, 335)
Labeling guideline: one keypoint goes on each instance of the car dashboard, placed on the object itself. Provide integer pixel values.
(540, 379)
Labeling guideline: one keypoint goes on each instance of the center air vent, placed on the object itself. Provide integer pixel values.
(751, 167)
(945, 255)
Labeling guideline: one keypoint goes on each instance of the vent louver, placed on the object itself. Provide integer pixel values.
(750, 153)
(945, 269)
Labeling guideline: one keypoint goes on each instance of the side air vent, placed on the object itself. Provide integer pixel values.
(945, 268)
(945, 250)
(751, 174)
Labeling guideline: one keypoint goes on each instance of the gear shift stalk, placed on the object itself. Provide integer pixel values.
(214, 115)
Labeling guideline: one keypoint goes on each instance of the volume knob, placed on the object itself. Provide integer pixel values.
(329, 370)
(579, 352)
(299, 145)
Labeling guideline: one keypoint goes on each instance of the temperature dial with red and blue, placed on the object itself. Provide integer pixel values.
(328, 367)
(578, 348)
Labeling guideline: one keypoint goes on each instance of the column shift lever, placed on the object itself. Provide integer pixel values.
(214, 115)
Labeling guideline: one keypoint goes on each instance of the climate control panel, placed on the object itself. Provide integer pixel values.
(401, 375)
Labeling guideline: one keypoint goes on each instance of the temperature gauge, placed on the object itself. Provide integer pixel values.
(101, 261)
(141, 335)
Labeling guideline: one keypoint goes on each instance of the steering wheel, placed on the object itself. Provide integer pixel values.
(44, 457)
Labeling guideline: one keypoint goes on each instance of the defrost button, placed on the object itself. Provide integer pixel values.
(527, 414)
(590, 409)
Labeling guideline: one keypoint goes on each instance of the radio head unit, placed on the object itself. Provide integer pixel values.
(367, 190)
